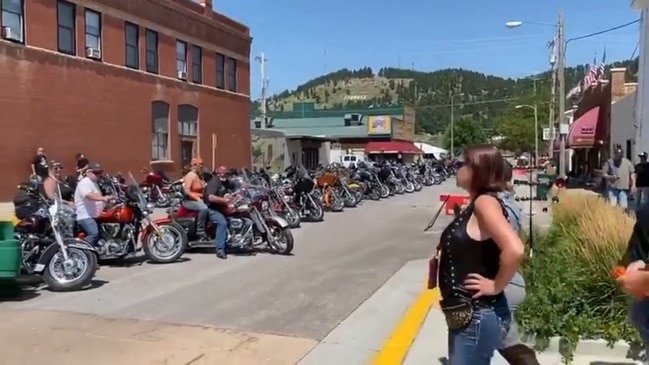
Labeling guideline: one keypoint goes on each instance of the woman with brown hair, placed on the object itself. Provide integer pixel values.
(479, 254)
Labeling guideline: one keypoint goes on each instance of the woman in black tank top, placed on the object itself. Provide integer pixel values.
(478, 255)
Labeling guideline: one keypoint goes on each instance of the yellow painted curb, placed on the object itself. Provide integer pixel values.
(396, 348)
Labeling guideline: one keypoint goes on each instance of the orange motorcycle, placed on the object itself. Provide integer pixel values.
(328, 196)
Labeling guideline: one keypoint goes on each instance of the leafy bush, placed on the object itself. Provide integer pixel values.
(570, 290)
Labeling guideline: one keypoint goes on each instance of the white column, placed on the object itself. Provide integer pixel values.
(641, 105)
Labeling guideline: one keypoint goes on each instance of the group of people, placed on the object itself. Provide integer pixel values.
(477, 262)
(83, 195)
(622, 179)
(209, 199)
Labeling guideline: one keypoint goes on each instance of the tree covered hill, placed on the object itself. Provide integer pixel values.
(430, 92)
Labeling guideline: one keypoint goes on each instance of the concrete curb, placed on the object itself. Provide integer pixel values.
(587, 347)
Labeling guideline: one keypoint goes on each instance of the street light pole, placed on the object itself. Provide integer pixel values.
(561, 75)
(536, 130)
(452, 125)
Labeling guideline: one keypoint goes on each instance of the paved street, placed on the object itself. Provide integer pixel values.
(336, 266)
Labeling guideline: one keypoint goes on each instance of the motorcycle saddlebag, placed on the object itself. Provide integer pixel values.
(24, 205)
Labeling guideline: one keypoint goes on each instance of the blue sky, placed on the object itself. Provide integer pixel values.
(303, 39)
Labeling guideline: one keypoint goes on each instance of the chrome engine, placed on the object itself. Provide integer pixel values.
(240, 231)
(114, 238)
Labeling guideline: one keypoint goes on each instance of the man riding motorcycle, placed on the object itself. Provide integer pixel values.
(217, 199)
(193, 187)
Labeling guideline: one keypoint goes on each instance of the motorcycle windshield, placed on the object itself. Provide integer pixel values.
(134, 193)
(250, 184)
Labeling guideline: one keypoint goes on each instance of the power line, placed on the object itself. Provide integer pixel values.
(604, 31)
(635, 50)
(492, 101)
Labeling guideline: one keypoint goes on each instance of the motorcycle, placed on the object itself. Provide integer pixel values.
(65, 263)
(156, 189)
(250, 224)
(301, 192)
(127, 227)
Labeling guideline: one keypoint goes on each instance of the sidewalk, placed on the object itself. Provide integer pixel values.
(431, 345)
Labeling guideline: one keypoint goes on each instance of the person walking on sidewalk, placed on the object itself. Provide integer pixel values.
(479, 254)
(642, 181)
(620, 179)
(512, 348)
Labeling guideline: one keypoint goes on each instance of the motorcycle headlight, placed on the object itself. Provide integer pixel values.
(264, 205)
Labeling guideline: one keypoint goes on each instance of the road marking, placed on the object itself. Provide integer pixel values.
(395, 349)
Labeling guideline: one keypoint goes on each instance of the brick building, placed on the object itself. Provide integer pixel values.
(128, 83)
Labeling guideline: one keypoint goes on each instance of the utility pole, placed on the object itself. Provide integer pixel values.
(450, 93)
(264, 86)
(553, 94)
(561, 71)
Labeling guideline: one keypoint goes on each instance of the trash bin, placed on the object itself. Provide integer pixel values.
(544, 185)
(10, 252)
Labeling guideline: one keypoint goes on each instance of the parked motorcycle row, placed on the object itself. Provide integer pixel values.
(264, 209)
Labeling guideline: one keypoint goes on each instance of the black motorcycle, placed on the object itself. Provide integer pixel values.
(65, 262)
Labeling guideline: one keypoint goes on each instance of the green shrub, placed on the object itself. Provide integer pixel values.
(570, 291)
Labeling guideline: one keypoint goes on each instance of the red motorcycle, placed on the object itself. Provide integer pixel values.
(157, 188)
(127, 227)
(251, 224)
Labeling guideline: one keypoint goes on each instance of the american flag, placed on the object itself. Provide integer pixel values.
(602, 66)
(595, 72)
(591, 76)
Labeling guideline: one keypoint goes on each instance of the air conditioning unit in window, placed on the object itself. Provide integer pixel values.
(93, 53)
(182, 75)
(8, 34)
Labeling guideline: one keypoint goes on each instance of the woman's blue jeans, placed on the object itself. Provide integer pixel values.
(639, 315)
(475, 345)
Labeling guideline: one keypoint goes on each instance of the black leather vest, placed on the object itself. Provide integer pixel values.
(461, 255)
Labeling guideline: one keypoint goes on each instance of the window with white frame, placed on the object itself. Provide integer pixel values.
(159, 130)
(231, 69)
(181, 59)
(188, 120)
(93, 29)
(197, 65)
(13, 17)
(152, 62)
(67, 27)
(132, 42)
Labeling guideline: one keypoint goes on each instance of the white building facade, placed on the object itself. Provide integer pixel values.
(642, 94)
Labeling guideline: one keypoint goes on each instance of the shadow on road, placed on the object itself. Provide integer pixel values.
(136, 261)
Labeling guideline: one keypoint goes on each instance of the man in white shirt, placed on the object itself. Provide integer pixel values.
(89, 202)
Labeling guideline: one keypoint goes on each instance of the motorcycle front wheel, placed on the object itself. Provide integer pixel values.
(280, 240)
(316, 213)
(292, 218)
(169, 246)
(82, 265)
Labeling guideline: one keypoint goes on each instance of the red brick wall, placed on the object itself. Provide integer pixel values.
(71, 104)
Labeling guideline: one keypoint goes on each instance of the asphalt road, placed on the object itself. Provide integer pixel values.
(336, 265)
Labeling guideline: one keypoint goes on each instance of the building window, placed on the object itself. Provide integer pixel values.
(187, 120)
(132, 34)
(197, 65)
(13, 17)
(151, 51)
(160, 130)
(181, 59)
(232, 74)
(67, 29)
(220, 71)
(188, 131)
(93, 29)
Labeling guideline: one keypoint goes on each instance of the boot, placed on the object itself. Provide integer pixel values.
(519, 355)
(201, 218)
